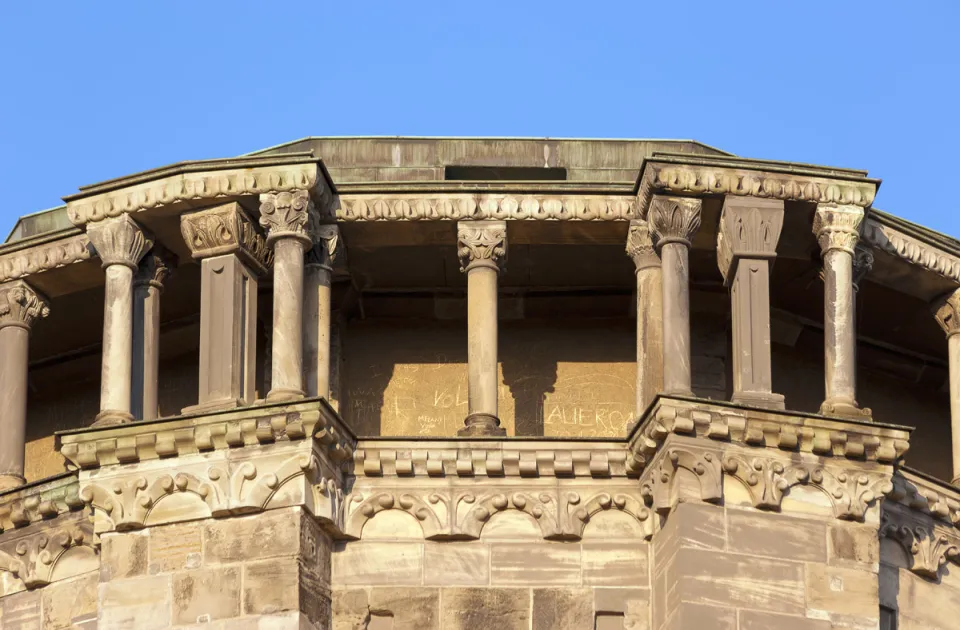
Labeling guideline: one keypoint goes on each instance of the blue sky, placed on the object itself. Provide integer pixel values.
(95, 90)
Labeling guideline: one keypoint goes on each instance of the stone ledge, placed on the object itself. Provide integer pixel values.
(927, 495)
(40, 501)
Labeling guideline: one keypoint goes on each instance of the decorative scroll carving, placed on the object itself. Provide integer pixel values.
(226, 229)
(481, 243)
(947, 312)
(44, 257)
(928, 547)
(219, 179)
(582, 510)
(939, 500)
(326, 248)
(457, 207)
(129, 503)
(674, 219)
(285, 214)
(660, 485)
(40, 557)
(155, 267)
(21, 305)
(837, 227)
(640, 247)
(38, 503)
(862, 263)
(914, 251)
(119, 241)
(748, 229)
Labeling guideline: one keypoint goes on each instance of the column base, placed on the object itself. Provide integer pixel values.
(764, 400)
(480, 425)
(284, 394)
(220, 404)
(111, 417)
(10, 481)
(845, 409)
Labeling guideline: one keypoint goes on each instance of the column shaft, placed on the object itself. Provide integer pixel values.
(14, 344)
(287, 366)
(116, 365)
(146, 352)
(317, 323)
(954, 346)
(649, 337)
(676, 320)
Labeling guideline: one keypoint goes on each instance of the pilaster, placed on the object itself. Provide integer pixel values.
(643, 253)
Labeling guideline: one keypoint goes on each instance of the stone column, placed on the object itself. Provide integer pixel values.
(674, 221)
(482, 249)
(233, 252)
(20, 307)
(120, 243)
(641, 250)
(317, 311)
(746, 248)
(947, 311)
(285, 215)
(838, 229)
(147, 286)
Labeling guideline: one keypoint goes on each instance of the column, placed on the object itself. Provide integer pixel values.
(233, 252)
(947, 311)
(674, 221)
(837, 229)
(120, 243)
(746, 248)
(317, 311)
(482, 249)
(147, 286)
(285, 215)
(641, 250)
(20, 307)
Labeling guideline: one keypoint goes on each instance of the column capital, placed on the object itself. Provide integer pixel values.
(837, 227)
(286, 214)
(947, 311)
(640, 247)
(749, 228)
(481, 243)
(326, 245)
(155, 267)
(674, 219)
(226, 229)
(119, 241)
(21, 305)
(862, 263)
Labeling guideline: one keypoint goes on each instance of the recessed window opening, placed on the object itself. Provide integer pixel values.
(504, 173)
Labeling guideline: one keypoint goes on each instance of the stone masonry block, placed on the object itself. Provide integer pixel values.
(374, 563)
(142, 603)
(691, 525)
(485, 609)
(69, 600)
(176, 547)
(205, 595)
(123, 555)
(246, 538)
(615, 564)
(766, 534)
(689, 616)
(351, 608)
(841, 591)
(562, 608)
(753, 620)
(521, 564)
(626, 608)
(271, 586)
(853, 544)
(409, 608)
(456, 564)
(21, 611)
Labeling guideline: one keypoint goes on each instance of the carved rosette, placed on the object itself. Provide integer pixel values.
(749, 228)
(674, 219)
(285, 215)
(481, 243)
(326, 245)
(862, 263)
(119, 241)
(21, 305)
(640, 247)
(837, 227)
(155, 268)
(225, 229)
(947, 312)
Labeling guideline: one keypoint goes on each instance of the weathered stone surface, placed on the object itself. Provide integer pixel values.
(622, 608)
(754, 620)
(69, 602)
(141, 603)
(531, 564)
(688, 616)
(350, 608)
(408, 608)
(176, 547)
(615, 564)
(21, 611)
(271, 586)
(456, 564)
(205, 595)
(562, 608)
(842, 591)
(244, 538)
(485, 608)
(765, 534)
(851, 543)
(123, 555)
(373, 563)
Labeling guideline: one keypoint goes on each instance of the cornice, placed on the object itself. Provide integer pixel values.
(201, 181)
(889, 239)
(43, 254)
(40, 501)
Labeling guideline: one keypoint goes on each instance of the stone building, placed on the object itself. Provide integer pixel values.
(479, 383)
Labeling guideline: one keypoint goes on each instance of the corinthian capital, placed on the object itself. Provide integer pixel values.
(20, 305)
(155, 267)
(326, 245)
(749, 228)
(286, 214)
(481, 243)
(947, 311)
(837, 227)
(119, 241)
(674, 219)
(225, 229)
(640, 246)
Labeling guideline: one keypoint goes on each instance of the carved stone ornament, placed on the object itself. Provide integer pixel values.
(674, 219)
(44, 257)
(286, 214)
(862, 263)
(430, 206)
(837, 227)
(225, 229)
(155, 267)
(749, 228)
(891, 241)
(61, 549)
(481, 243)
(39, 502)
(947, 312)
(640, 247)
(927, 545)
(326, 245)
(119, 241)
(21, 305)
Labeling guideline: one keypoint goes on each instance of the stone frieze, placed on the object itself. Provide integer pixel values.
(45, 256)
(913, 250)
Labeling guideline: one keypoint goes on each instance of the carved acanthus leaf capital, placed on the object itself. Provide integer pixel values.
(119, 241)
(749, 228)
(947, 311)
(674, 219)
(285, 215)
(837, 227)
(155, 267)
(640, 247)
(225, 229)
(21, 305)
(481, 243)
(326, 245)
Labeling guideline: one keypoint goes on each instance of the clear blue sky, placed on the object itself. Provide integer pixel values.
(95, 90)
